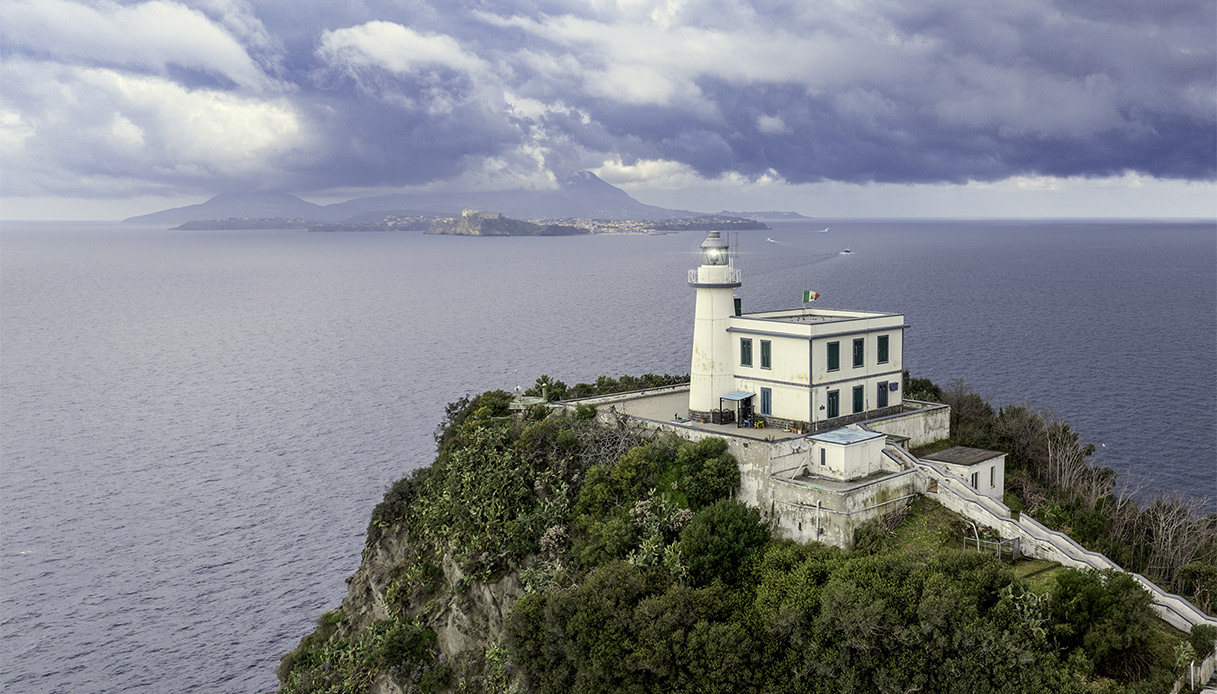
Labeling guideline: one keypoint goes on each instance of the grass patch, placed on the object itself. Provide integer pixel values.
(926, 530)
(1039, 574)
(933, 447)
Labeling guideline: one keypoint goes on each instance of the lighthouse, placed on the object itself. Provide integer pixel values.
(711, 373)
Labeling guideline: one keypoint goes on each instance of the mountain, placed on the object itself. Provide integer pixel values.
(262, 204)
(582, 195)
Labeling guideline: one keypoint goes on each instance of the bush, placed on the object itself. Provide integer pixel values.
(1107, 615)
(707, 472)
(1202, 639)
(720, 539)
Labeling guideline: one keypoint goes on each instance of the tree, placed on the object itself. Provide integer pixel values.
(720, 539)
(1107, 615)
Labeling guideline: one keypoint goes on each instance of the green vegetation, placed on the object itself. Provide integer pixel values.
(1050, 474)
(604, 385)
(326, 663)
(641, 573)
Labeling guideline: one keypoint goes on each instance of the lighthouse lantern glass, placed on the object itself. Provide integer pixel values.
(713, 250)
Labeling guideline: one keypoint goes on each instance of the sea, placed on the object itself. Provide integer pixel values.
(196, 425)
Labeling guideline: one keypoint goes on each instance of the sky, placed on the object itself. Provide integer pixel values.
(871, 108)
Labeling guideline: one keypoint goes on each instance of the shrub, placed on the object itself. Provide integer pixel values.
(720, 539)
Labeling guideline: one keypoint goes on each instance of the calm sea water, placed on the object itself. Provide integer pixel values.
(196, 425)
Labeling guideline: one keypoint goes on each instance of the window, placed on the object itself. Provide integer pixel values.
(823, 457)
(993, 476)
(975, 480)
(766, 401)
(834, 356)
(859, 351)
(834, 404)
(745, 351)
(859, 399)
(882, 349)
(766, 354)
(881, 395)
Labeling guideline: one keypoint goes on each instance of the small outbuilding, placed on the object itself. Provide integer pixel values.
(984, 470)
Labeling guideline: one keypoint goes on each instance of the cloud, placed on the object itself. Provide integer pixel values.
(151, 36)
(318, 96)
(395, 48)
(131, 130)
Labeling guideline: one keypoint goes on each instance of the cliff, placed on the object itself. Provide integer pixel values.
(553, 553)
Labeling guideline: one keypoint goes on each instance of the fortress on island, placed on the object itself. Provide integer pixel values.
(810, 403)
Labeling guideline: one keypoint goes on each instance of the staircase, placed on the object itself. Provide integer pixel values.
(1035, 539)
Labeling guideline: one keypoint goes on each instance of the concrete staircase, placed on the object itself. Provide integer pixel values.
(1035, 539)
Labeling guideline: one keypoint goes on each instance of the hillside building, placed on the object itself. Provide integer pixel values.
(810, 404)
(813, 369)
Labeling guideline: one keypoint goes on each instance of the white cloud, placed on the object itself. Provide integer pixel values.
(395, 48)
(76, 128)
(149, 36)
(772, 125)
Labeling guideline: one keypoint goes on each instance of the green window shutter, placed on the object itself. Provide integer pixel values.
(834, 404)
(766, 354)
(883, 349)
(859, 399)
(859, 352)
(834, 356)
(745, 351)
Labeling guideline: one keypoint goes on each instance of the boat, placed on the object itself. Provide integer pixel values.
(770, 240)
(846, 252)
(824, 230)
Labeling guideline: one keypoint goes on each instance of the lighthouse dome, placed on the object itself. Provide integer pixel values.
(714, 250)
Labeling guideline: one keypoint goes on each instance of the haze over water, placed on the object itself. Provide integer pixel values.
(198, 424)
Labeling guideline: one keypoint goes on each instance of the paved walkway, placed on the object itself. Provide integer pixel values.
(672, 408)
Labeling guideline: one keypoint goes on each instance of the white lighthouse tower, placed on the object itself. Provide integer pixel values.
(711, 374)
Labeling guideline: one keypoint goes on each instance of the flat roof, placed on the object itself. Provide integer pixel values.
(845, 436)
(816, 315)
(962, 455)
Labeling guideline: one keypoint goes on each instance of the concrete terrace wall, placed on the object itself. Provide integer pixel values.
(804, 512)
(921, 422)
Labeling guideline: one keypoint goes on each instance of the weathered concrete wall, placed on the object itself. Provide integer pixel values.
(930, 422)
(806, 512)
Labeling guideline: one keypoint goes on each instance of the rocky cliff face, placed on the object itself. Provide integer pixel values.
(467, 617)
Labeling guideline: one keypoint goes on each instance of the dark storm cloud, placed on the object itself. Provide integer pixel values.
(111, 98)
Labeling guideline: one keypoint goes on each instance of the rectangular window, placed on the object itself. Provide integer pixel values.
(745, 351)
(859, 351)
(881, 395)
(834, 356)
(883, 349)
(766, 401)
(993, 476)
(823, 457)
(766, 354)
(859, 399)
(834, 404)
(975, 480)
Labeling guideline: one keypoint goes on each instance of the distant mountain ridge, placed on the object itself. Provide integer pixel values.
(582, 195)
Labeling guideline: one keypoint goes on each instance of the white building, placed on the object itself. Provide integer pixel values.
(809, 368)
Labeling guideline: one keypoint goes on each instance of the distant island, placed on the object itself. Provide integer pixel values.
(580, 196)
(477, 223)
(241, 223)
(767, 214)
(480, 223)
